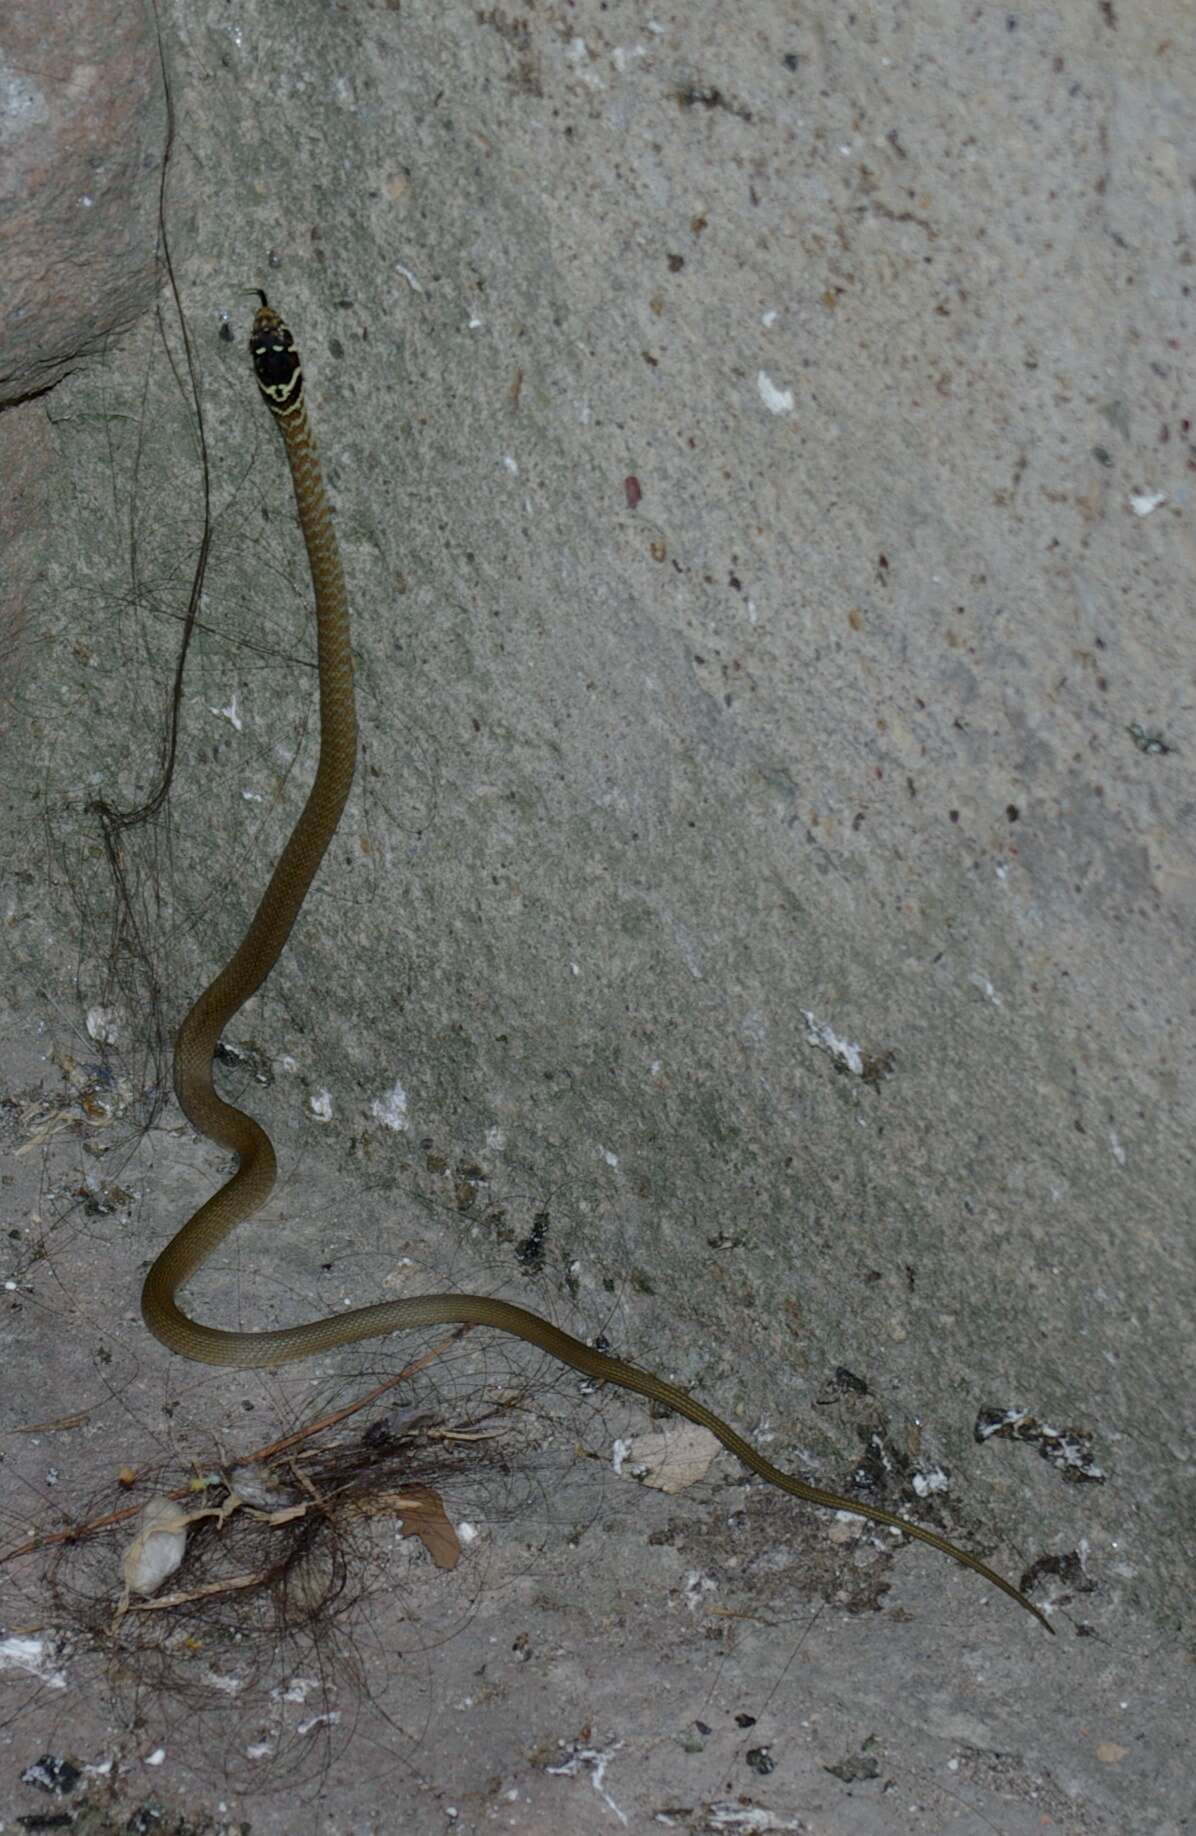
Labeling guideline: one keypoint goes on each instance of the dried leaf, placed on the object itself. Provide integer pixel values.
(422, 1514)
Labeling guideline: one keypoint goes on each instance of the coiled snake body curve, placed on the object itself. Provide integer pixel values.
(280, 379)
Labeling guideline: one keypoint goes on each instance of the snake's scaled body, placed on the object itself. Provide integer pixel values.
(280, 379)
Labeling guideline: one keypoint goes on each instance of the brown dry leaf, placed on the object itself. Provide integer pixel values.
(421, 1513)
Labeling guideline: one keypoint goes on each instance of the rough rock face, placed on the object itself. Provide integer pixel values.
(82, 125)
(82, 132)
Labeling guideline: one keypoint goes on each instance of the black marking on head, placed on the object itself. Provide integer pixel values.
(275, 361)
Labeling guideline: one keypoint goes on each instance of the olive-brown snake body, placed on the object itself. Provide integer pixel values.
(281, 382)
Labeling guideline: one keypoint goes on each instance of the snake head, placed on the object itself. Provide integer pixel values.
(275, 361)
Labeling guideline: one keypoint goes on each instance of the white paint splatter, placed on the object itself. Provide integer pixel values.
(819, 1034)
(320, 1104)
(391, 1110)
(777, 401)
(985, 986)
(1118, 1150)
(230, 715)
(597, 1762)
(1143, 502)
(754, 1819)
(329, 1719)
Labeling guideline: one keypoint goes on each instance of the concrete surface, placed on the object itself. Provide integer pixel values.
(783, 883)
